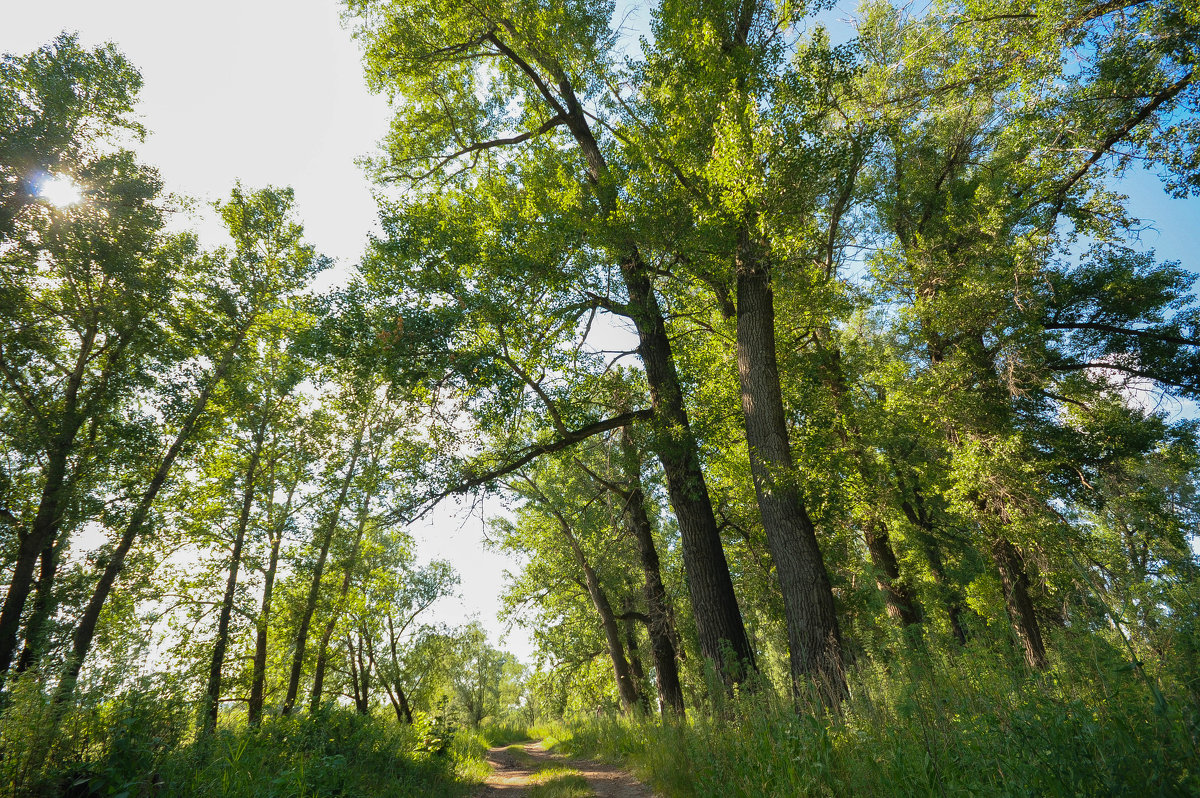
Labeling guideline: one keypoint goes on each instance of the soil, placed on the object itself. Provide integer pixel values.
(511, 777)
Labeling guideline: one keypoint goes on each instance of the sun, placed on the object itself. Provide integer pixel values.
(60, 191)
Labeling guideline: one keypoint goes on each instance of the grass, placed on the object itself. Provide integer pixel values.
(962, 726)
(559, 782)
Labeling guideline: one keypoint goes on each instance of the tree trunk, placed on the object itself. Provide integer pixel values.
(626, 688)
(335, 612)
(1017, 602)
(310, 605)
(658, 604)
(399, 700)
(635, 658)
(719, 624)
(43, 607)
(259, 674)
(814, 639)
(213, 692)
(55, 490)
(896, 596)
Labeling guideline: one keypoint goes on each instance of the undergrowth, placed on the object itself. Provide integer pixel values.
(144, 745)
(952, 726)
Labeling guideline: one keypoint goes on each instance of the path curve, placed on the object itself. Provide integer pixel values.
(512, 778)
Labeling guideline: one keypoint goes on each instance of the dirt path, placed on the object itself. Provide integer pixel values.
(517, 768)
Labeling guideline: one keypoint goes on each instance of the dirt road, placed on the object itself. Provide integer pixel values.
(518, 768)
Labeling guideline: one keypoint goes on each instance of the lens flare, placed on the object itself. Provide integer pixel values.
(59, 191)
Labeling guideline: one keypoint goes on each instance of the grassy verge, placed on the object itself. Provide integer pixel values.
(965, 727)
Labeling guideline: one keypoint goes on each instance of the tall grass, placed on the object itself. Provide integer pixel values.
(966, 725)
(144, 745)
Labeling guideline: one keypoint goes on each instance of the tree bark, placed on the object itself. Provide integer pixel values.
(814, 638)
(896, 595)
(43, 607)
(658, 604)
(719, 625)
(1021, 616)
(310, 605)
(261, 624)
(213, 692)
(85, 630)
(55, 489)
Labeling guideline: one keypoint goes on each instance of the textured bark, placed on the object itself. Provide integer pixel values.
(814, 638)
(43, 607)
(719, 624)
(310, 604)
(1018, 603)
(901, 605)
(213, 692)
(658, 604)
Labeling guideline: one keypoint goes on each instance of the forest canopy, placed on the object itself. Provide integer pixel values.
(820, 371)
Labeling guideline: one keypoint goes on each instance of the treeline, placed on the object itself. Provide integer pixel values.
(899, 361)
(202, 493)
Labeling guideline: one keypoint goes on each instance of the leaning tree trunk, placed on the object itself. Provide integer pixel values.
(626, 687)
(310, 605)
(814, 639)
(1021, 616)
(896, 595)
(719, 624)
(658, 604)
(43, 607)
(258, 675)
(85, 629)
(213, 693)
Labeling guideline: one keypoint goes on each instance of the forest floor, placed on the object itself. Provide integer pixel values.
(528, 770)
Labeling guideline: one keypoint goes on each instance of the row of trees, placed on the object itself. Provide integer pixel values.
(198, 477)
(891, 333)
(891, 325)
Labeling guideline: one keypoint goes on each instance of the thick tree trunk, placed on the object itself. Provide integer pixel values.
(310, 605)
(658, 604)
(718, 619)
(213, 692)
(814, 639)
(635, 656)
(1018, 603)
(43, 607)
(898, 599)
(334, 614)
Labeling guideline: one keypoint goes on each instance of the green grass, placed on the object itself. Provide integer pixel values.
(140, 744)
(559, 782)
(966, 726)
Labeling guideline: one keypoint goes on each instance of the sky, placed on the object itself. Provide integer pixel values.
(271, 92)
